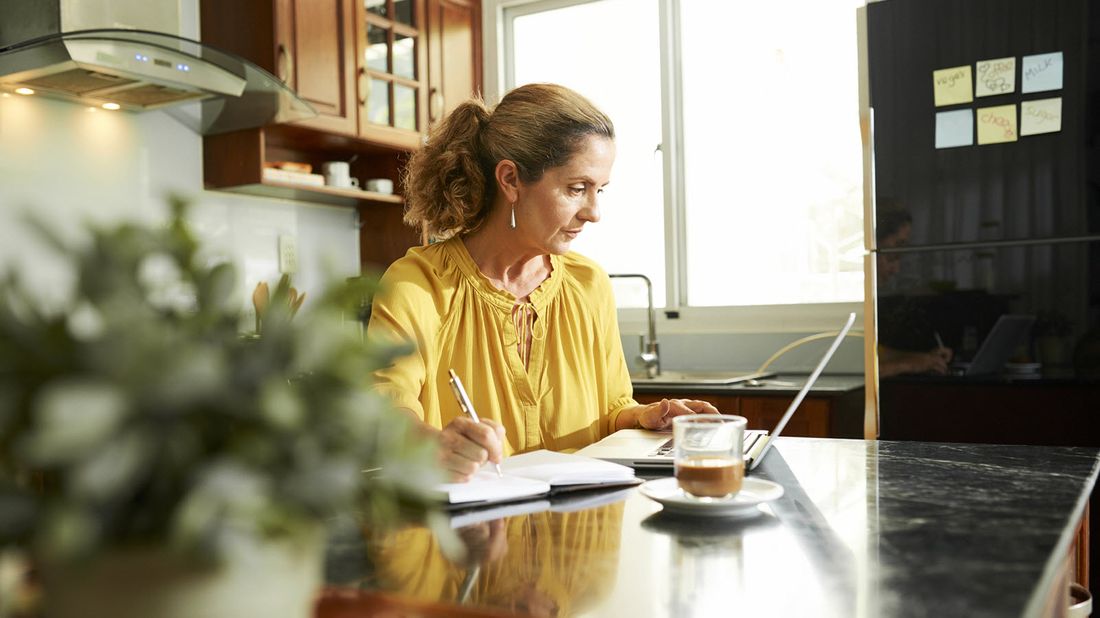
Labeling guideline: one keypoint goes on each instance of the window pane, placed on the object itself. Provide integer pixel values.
(377, 52)
(404, 63)
(773, 168)
(403, 11)
(378, 103)
(378, 7)
(404, 107)
(624, 80)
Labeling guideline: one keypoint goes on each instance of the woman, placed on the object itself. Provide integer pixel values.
(528, 326)
(903, 322)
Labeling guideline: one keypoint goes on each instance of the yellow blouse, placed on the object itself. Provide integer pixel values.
(569, 393)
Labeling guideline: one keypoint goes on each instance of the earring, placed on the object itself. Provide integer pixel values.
(512, 223)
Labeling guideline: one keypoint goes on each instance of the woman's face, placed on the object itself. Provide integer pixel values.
(551, 212)
(890, 263)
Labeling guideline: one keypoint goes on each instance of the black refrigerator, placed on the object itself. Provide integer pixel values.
(1005, 223)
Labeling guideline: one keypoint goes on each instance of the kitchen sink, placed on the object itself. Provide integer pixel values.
(700, 377)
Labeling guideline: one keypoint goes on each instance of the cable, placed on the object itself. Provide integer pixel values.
(794, 344)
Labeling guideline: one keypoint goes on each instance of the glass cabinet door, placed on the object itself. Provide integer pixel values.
(391, 70)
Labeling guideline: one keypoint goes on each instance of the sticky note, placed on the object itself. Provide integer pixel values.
(1041, 116)
(954, 128)
(997, 124)
(1041, 72)
(952, 86)
(993, 77)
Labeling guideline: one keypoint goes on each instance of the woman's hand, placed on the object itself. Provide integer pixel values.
(464, 445)
(658, 415)
(894, 362)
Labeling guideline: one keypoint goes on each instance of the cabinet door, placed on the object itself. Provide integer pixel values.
(308, 44)
(315, 55)
(391, 64)
(811, 420)
(454, 54)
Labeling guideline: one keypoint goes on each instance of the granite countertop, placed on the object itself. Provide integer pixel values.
(863, 529)
(780, 384)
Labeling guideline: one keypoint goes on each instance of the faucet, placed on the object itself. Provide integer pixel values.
(649, 353)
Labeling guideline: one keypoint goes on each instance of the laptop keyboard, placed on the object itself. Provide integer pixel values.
(665, 450)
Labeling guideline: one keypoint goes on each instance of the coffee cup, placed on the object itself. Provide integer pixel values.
(708, 454)
(338, 174)
(379, 185)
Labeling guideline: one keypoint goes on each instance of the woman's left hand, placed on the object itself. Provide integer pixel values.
(658, 415)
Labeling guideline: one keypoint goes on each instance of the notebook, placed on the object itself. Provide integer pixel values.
(641, 449)
(1007, 334)
(535, 474)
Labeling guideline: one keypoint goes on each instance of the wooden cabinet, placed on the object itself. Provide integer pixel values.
(372, 69)
(392, 71)
(833, 416)
(310, 46)
(454, 54)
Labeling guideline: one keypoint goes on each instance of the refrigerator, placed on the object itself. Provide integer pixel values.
(1003, 210)
(1003, 214)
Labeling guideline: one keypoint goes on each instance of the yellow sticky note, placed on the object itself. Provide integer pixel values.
(997, 124)
(953, 86)
(1041, 116)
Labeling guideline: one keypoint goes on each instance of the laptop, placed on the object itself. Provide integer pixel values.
(652, 450)
(1007, 334)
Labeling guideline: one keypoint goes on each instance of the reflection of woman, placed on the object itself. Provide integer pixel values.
(553, 563)
(907, 341)
(529, 326)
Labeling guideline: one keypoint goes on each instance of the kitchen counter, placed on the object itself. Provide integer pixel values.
(864, 529)
(780, 384)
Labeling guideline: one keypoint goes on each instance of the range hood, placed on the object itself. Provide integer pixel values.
(47, 46)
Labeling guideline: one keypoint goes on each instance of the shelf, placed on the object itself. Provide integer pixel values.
(308, 193)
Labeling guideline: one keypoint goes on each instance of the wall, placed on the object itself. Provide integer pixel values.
(70, 165)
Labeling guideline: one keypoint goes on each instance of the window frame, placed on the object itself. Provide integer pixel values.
(677, 317)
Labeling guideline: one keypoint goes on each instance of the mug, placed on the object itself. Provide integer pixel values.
(338, 174)
(379, 185)
(708, 454)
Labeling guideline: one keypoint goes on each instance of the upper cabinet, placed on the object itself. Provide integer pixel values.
(454, 54)
(310, 46)
(378, 72)
(393, 70)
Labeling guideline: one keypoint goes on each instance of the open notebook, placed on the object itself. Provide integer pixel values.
(536, 474)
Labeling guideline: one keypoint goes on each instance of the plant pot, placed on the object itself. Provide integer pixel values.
(278, 578)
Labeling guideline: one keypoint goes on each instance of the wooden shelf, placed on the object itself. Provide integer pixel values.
(308, 193)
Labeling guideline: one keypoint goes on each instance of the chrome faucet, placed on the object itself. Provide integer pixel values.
(649, 353)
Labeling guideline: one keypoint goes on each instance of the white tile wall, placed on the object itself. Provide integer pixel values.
(71, 165)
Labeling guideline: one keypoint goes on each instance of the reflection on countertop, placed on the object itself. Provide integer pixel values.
(864, 528)
(770, 384)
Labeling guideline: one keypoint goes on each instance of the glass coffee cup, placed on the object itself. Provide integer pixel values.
(708, 454)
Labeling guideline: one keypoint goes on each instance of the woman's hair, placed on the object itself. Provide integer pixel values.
(890, 216)
(450, 181)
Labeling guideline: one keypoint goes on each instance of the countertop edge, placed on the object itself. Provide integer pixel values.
(1037, 600)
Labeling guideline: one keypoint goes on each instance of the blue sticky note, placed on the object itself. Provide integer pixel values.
(955, 128)
(1041, 72)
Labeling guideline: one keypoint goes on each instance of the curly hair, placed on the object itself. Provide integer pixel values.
(449, 182)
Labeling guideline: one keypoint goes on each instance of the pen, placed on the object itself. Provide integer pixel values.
(939, 340)
(465, 403)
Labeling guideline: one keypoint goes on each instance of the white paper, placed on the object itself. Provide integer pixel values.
(954, 128)
(565, 468)
(1041, 72)
(486, 486)
(993, 77)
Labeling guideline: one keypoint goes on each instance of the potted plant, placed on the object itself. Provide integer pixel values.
(154, 462)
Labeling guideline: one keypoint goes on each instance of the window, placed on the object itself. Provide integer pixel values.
(747, 166)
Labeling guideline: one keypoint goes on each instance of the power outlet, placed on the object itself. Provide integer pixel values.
(288, 255)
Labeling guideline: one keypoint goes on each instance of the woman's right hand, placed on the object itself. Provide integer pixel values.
(464, 445)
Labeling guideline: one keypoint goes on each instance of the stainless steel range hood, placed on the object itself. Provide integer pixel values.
(136, 69)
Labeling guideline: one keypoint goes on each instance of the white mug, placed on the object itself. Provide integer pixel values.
(338, 174)
(380, 185)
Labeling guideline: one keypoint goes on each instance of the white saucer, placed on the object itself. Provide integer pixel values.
(753, 492)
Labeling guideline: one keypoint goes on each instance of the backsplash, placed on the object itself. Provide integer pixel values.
(69, 165)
